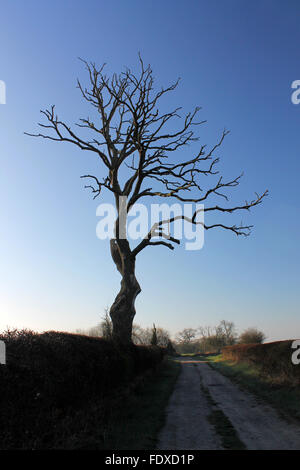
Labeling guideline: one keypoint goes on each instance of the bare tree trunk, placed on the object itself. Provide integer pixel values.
(122, 310)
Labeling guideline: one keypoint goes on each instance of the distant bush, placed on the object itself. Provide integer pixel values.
(154, 340)
(171, 351)
(49, 374)
(273, 359)
(252, 335)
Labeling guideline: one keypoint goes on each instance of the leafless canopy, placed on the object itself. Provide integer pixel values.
(131, 131)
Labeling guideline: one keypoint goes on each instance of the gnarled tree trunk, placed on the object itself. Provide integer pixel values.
(122, 310)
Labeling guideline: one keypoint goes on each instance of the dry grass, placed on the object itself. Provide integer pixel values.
(273, 359)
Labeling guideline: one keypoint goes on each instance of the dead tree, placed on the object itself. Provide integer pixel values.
(129, 132)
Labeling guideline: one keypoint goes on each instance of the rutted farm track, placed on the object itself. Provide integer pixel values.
(206, 411)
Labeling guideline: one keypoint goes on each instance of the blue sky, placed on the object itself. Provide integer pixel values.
(237, 60)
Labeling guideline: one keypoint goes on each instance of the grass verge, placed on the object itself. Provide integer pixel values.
(284, 397)
(135, 423)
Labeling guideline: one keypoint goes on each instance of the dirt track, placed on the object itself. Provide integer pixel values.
(187, 425)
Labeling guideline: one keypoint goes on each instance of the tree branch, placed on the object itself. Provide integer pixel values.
(128, 132)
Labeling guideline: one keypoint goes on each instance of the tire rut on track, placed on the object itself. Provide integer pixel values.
(188, 427)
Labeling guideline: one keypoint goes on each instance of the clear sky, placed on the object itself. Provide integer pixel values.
(237, 59)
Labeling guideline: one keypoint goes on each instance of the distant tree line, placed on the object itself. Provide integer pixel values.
(189, 340)
(213, 339)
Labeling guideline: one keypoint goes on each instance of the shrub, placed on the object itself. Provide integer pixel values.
(252, 335)
(52, 373)
(273, 359)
